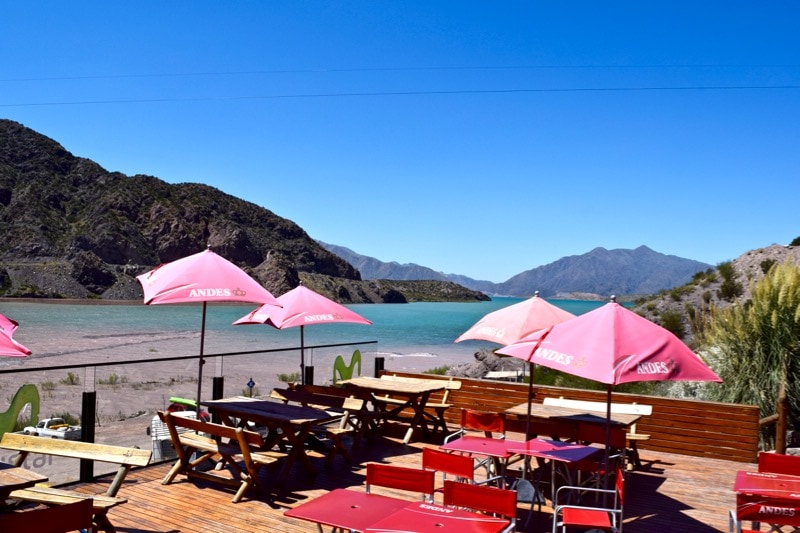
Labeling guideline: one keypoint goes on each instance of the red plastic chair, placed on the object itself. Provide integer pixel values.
(486, 425)
(401, 478)
(453, 464)
(479, 498)
(580, 516)
(778, 463)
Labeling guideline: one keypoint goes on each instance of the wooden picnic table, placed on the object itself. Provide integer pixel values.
(287, 425)
(415, 394)
(552, 412)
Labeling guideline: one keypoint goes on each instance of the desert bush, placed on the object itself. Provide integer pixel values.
(71, 379)
(672, 321)
(291, 377)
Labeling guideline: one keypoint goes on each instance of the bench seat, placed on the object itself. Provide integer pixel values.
(126, 458)
(227, 446)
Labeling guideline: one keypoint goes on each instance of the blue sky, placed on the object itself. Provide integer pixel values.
(477, 138)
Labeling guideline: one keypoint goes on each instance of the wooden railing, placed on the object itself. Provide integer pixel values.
(689, 427)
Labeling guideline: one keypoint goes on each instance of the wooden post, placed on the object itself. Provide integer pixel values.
(780, 426)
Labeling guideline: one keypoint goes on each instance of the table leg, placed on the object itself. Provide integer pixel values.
(418, 405)
(296, 437)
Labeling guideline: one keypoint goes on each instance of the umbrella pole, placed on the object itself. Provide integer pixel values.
(201, 361)
(608, 437)
(302, 357)
(528, 418)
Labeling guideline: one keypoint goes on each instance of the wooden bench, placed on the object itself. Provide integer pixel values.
(225, 444)
(439, 407)
(126, 458)
(346, 405)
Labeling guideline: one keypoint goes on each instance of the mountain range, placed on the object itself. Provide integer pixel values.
(598, 272)
(72, 229)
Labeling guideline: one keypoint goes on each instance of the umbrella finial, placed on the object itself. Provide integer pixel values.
(536, 293)
(613, 299)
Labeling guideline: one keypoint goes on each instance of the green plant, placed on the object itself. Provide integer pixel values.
(672, 321)
(48, 386)
(766, 264)
(757, 346)
(730, 289)
(71, 379)
(292, 377)
(113, 379)
(439, 370)
(725, 269)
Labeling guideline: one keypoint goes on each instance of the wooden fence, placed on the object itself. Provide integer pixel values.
(689, 427)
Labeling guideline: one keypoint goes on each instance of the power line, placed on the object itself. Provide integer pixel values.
(392, 69)
(409, 93)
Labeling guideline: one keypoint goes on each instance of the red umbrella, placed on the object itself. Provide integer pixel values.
(8, 346)
(201, 278)
(510, 324)
(612, 345)
(302, 307)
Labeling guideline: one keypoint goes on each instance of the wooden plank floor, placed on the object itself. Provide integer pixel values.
(670, 493)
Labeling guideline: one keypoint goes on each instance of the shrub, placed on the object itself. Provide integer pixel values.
(439, 370)
(673, 322)
(71, 379)
(766, 264)
(726, 270)
(292, 377)
(730, 289)
(112, 380)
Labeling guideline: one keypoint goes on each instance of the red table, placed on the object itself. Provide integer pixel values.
(556, 452)
(486, 446)
(347, 509)
(768, 497)
(421, 517)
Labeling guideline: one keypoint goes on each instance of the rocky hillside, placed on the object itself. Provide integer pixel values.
(71, 229)
(677, 309)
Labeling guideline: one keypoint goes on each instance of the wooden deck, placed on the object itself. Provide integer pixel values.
(671, 492)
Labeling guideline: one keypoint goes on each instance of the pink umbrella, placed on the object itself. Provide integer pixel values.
(302, 307)
(612, 345)
(201, 278)
(510, 324)
(8, 346)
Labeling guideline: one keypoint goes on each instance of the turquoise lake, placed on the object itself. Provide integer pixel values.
(416, 329)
